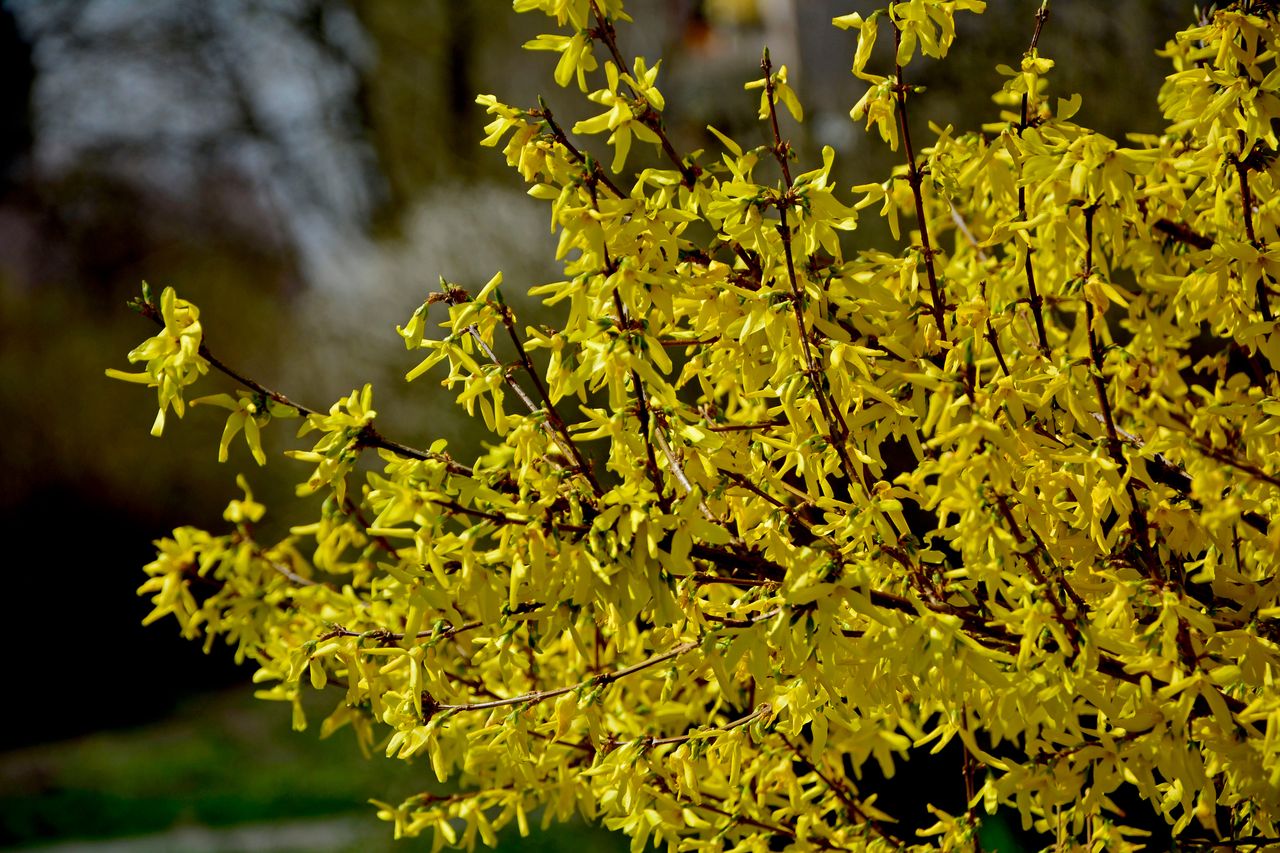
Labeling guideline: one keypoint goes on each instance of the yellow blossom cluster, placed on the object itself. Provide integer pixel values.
(764, 520)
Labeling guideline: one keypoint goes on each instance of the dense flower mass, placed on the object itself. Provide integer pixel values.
(764, 520)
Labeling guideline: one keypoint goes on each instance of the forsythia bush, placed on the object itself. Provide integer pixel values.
(764, 520)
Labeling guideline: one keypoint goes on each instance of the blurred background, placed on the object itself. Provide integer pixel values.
(304, 170)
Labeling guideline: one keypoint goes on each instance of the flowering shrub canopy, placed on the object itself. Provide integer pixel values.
(762, 519)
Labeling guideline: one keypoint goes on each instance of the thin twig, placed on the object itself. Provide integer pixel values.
(1226, 458)
(559, 435)
(673, 342)
(642, 411)
(369, 437)
(840, 788)
(651, 118)
(916, 180)
(745, 427)
(1246, 198)
(1138, 525)
(553, 417)
(293, 576)
(605, 678)
(837, 429)
(537, 696)
(1030, 559)
(383, 635)
(764, 709)
(676, 468)
(1037, 309)
(746, 583)
(595, 172)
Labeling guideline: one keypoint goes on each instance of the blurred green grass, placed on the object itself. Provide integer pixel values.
(223, 761)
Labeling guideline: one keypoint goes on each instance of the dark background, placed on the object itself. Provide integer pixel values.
(304, 170)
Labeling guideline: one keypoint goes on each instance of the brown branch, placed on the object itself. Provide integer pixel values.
(757, 566)
(833, 547)
(1059, 610)
(751, 260)
(916, 180)
(553, 417)
(555, 427)
(602, 679)
(642, 411)
(746, 583)
(1240, 465)
(981, 630)
(370, 437)
(383, 635)
(650, 742)
(673, 342)
(595, 172)
(1225, 457)
(846, 797)
(1138, 525)
(1037, 304)
(731, 622)
(1213, 844)
(604, 31)
(353, 510)
(642, 403)
(837, 429)
(995, 347)
(1246, 198)
(745, 427)
(597, 175)
(781, 149)
(1183, 234)
(537, 696)
(502, 519)
(764, 709)
(1168, 473)
(992, 338)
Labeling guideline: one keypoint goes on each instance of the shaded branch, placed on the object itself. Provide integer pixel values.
(1138, 526)
(642, 410)
(1183, 234)
(837, 429)
(846, 797)
(745, 427)
(553, 417)
(595, 172)
(382, 635)
(762, 710)
(602, 679)
(916, 180)
(1030, 559)
(604, 32)
(1246, 198)
(1225, 457)
(369, 436)
(1037, 304)
(289, 573)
